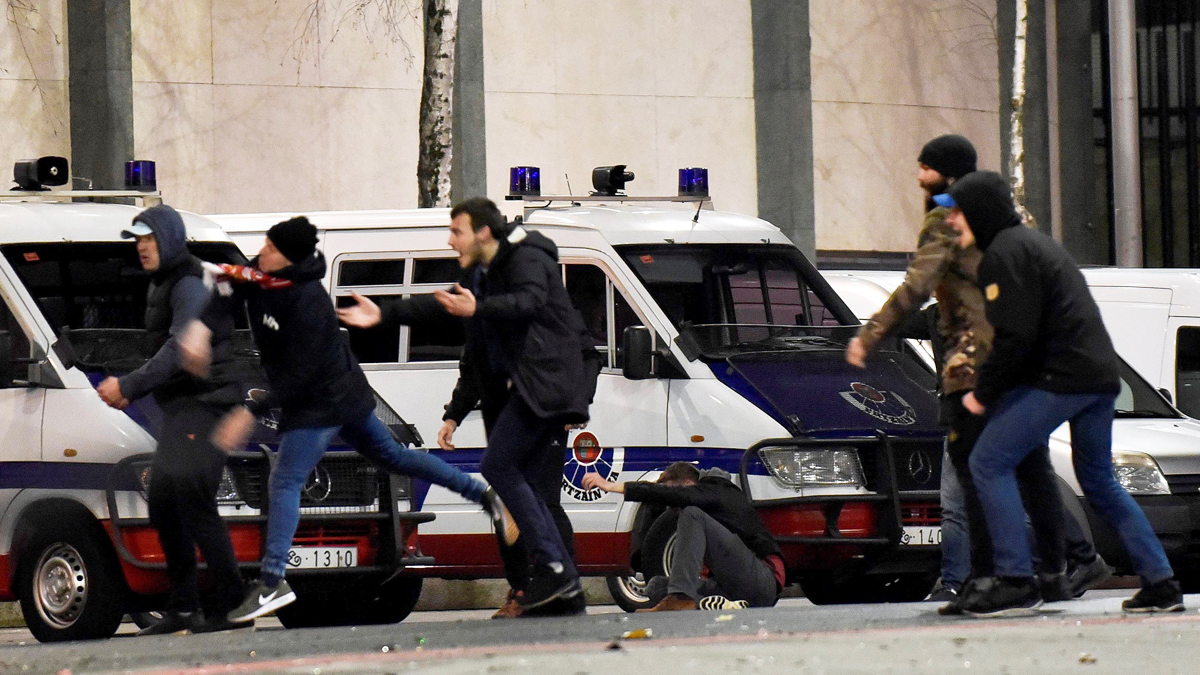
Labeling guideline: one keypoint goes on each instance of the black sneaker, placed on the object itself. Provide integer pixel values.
(1085, 577)
(942, 594)
(172, 622)
(263, 599)
(1164, 596)
(546, 586)
(1055, 587)
(1007, 596)
(506, 528)
(221, 623)
(972, 587)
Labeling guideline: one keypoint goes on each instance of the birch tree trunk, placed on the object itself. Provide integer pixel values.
(437, 103)
(1016, 147)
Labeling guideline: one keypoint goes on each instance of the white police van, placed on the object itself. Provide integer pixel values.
(1156, 448)
(76, 547)
(722, 345)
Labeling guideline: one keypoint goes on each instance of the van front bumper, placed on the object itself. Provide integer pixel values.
(1175, 518)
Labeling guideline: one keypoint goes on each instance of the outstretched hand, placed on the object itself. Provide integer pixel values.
(856, 353)
(459, 303)
(592, 480)
(362, 314)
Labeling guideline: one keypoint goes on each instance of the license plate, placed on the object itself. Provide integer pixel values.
(322, 557)
(921, 536)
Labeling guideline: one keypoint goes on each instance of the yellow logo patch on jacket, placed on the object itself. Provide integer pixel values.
(992, 292)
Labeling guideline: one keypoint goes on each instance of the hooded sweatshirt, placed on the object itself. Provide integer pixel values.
(313, 376)
(1049, 334)
(176, 296)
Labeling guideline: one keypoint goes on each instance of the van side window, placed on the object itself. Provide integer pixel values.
(11, 330)
(606, 314)
(377, 344)
(370, 272)
(1187, 370)
(436, 271)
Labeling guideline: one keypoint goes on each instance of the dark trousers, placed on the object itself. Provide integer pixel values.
(1058, 536)
(185, 474)
(523, 464)
(736, 572)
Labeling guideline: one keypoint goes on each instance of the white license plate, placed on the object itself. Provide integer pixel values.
(921, 536)
(322, 557)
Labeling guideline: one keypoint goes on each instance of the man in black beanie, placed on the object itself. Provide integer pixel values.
(322, 392)
(1052, 361)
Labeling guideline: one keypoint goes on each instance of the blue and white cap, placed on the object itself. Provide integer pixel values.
(945, 200)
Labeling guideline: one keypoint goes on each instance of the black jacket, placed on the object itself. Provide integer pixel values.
(175, 298)
(525, 330)
(720, 499)
(313, 376)
(1049, 334)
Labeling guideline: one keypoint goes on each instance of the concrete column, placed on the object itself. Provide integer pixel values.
(1081, 235)
(1037, 118)
(1127, 159)
(101, 89)
(783, 118)
(468, 173)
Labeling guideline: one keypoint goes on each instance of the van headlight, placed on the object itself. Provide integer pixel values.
(1139, 474)
(796, 468)
(227, 492)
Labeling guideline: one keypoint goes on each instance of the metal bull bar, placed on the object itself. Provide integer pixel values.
(123, 478)
(886, 492)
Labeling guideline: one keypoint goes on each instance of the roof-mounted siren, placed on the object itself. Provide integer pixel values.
(524, 181)
(140, 175)
(610, 180)
(35, 174)
(693, 182)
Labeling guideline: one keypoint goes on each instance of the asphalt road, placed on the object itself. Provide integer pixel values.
(793, 637)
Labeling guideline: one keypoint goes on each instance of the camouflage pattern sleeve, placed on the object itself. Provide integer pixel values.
(938, 245)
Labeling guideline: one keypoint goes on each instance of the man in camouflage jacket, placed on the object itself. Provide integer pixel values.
(942, 269)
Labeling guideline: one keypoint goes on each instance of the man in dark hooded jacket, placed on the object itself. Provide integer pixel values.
(1051, 362)
(322, 392)
(526, 365)
(187, 466)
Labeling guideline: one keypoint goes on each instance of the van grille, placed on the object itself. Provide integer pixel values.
(338, 485)
(918, 466)
(1184, 484)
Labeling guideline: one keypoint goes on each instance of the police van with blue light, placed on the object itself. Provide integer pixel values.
(722, 345)
(76, 546)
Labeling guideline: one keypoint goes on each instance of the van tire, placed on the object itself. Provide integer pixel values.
(658, 548)
(350, 602)
(55, 611)
(629, 592)
(825, 589)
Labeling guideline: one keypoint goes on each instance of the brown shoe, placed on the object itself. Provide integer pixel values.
(511, 608)
(674, 602)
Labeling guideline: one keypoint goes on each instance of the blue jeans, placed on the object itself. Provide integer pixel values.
(301, 449)
(1021, 422)
(956, 543)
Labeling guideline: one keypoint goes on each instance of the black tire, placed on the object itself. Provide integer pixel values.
(629, 592)
(145, 619)
(350, 602)
(658, 547)
(823, 589)
(70, 585)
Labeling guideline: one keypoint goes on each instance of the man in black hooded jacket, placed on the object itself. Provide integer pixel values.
(187, 466)
(526, 365)
(1051, 362)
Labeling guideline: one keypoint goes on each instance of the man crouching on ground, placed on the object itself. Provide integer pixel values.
(717, 527)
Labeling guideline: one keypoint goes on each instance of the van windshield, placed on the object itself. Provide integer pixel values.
(1138, 399)
(736, 284)
(95, 285)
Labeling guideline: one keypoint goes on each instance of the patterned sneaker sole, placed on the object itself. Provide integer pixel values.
(717, 602)
(281, 601)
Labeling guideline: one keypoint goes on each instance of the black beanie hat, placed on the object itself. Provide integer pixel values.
(295, 238)
(986, 201)
(951, 155)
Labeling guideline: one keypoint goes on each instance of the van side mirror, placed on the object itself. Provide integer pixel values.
(1166, 394)
(64, 350)
(637, 347)
(8, 366)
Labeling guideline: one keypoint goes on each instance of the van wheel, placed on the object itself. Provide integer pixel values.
(70, 586)
(658, 548)
(352, 602)
(629, 592)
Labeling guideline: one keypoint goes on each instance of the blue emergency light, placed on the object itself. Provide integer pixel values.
(139, 175)
(524, 181)
(693, 182)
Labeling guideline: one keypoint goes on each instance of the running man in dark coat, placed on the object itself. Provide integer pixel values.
(187, 466)
(1051, 362)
